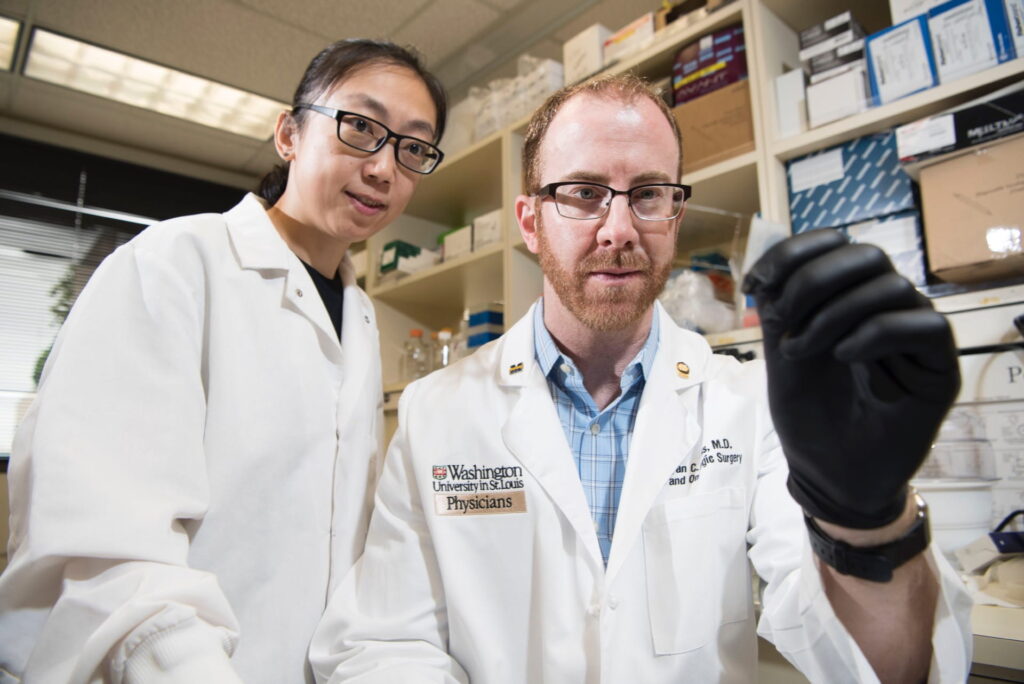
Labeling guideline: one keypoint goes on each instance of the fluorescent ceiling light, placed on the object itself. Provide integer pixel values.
(98, 71)
(8, 38)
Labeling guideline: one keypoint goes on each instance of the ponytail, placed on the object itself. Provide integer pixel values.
(272, 185)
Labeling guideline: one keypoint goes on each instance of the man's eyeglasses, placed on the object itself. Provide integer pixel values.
(369, 135)
(651, 202)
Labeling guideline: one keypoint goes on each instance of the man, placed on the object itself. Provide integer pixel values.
(578, 501)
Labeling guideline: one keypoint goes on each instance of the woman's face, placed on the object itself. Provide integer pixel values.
(346, 193)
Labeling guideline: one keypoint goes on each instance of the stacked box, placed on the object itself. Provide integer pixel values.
(583, 54)
(632, 37)
(829, 35)
(486, 323)
(859, 180)
(899, 236)
(994, 116)
(969, 36)
(712, 62)
(900, 61)
(833, 54)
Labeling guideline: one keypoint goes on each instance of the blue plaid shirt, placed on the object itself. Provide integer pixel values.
(599, 440)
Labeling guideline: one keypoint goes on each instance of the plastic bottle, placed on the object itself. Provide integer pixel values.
(443, 349)
(460, 340)
(415, 362)
(431, 350)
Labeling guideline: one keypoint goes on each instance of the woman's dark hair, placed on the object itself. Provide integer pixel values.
(335, 62)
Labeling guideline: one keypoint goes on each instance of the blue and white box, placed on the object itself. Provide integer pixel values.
(969, 36)
(900, 60)
(856, 181)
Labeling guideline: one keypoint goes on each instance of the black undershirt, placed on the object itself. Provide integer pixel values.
(332, 294)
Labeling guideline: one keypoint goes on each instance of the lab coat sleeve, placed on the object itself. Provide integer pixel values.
(796, 615)
(107, 477)
(386, 622)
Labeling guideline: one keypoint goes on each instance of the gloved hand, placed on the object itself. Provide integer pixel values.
(861, 372)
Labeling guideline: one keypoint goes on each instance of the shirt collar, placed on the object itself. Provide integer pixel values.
(549, 357)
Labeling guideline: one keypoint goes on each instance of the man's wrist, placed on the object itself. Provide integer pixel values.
(878, 535)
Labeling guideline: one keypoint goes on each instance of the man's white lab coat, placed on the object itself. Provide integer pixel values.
(482, 545)
(194, 472)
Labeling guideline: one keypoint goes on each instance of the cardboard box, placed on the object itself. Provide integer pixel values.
(716, 127)
(634, 36)
(969, 36)
(828, 35)
(458, 242)
(842, 55)
(842, 69)
(974, 213)
(900, 61)
(709, 63)
(902, 10)
(996, 115)
(390, 253)
(856, 181)
(838, 97)
(1015, 21)
(487, 229)
(583, 54)
(679, 10)
(791, 103)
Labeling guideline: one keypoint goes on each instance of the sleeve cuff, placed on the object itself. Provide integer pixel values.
(193, 653)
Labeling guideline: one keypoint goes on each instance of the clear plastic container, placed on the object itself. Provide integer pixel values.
(415, 359)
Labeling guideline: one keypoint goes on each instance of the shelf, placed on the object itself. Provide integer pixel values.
(657, 58)
(463, 187)
(901, 111)
(730, 184)
(436, 296)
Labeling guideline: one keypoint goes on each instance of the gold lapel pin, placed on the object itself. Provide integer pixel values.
(683, 370)
(515, 368)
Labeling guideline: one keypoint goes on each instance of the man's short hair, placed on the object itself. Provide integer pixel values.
(625, 87)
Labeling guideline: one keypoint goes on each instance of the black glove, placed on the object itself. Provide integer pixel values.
(861, 372)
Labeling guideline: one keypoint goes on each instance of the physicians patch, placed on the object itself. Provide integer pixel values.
(480, 504)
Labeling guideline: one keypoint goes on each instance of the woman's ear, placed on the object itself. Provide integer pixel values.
(286, 132)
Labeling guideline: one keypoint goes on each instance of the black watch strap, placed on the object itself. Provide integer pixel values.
(875, 563)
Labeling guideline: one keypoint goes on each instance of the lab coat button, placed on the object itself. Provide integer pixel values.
(613, 602)
(298, 292)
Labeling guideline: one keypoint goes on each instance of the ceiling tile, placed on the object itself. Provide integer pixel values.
(445, 26)
(231, 43)
(342, 18)
(503, 5)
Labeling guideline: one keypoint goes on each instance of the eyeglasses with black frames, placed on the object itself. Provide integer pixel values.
(650, 202)
(369, 135)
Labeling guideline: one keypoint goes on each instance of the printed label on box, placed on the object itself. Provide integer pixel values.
(900, 61)
(925, 135)
(817, 170)
(962, 41)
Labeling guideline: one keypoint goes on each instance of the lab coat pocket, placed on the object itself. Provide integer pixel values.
(698, 577)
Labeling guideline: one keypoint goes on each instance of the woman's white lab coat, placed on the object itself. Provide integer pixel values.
(192, 478)
(481, 545)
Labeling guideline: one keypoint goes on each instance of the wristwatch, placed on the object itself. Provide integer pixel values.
(874, 563)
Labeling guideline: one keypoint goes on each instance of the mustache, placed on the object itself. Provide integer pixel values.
(599, 261)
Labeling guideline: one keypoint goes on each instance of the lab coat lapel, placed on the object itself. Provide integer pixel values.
(533, 433)
(260, 247)
(666, 432)
(359, 342)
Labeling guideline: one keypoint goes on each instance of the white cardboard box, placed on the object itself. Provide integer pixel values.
(583, 54)
(458, 242)
(487, 229)
(901, 10)
(634, 36)
(791, 103)
(837, 98)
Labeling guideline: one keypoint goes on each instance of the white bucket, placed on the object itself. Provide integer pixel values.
(960, 511)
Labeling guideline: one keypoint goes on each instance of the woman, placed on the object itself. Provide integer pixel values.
(195, 474)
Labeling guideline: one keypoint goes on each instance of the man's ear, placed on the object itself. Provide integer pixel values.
(286, 136)
(526, 217)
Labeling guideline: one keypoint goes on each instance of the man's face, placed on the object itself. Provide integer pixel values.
(608, 271)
